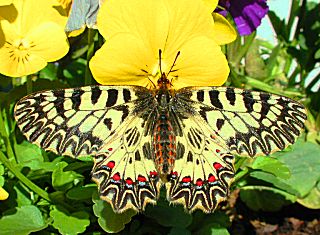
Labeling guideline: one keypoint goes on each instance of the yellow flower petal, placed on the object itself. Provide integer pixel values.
(136, 30)
(5, 2)
(31, 39)
(224, 32)
(117, 63)
(27, 55)
(212, 4)
(46, 44)
(198, 67)
(29, 17)
(122, 16)
(3, 194)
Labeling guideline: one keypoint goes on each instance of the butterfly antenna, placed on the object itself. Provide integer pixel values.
(174, 63)
(154, 85)
(160, 54)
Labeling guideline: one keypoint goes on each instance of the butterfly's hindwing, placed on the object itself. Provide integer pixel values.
(248, 122)
(125, 172)
(203, 169)
(75, 121)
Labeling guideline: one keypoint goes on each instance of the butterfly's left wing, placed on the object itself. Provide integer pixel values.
(249, 123)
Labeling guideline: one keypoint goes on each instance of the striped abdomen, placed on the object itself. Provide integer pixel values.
(164, 144)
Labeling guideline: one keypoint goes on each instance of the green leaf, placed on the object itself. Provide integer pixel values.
(25, 220)
(312, 200)
(271, 165)
(163, 209)
(317, 54)
(213, 229)
(1, 173)
(1, 181)
(28, 155)
(64, 180)
(265, 198)
(107, 219)
(304, 164)
(270, 178)
(1, 169)
(20, 91)
(49, 72)
(75, 70)
(23, 197)
(66, 223)
(255, 66)
(82, 192)
(179, 231)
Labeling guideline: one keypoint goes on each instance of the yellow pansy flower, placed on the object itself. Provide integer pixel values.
(31, 37)
(3, 194)
(5, 2)
(136, 30)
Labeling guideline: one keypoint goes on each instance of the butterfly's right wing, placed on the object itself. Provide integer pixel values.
(77, 121)
(107, 122)
(249, 123)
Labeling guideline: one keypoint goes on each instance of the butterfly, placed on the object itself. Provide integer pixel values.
(142, 139)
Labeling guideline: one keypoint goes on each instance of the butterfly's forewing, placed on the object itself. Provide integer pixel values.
(250, 123)
(203, 169)
(75, 121)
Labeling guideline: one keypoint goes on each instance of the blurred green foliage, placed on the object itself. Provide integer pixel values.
(54, 194)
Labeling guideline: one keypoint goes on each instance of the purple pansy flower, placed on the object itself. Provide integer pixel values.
(247, 14)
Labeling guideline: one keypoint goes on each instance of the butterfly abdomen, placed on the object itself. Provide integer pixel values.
(164, 144)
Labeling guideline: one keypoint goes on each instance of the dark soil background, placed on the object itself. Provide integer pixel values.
(291, 220)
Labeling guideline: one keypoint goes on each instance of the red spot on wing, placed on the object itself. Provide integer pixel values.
(199, 182)
(218, 151)
(111, 164)
(142, 178)
(129, 181)
(186, 179)
(174, 173)
(153, 174)
(116, 176)
(110, 149)
(211, 178)
(217, 165)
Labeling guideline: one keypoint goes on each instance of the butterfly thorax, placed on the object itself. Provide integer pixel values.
(164, 141)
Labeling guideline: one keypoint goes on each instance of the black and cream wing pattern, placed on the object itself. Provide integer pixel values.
(142, 138)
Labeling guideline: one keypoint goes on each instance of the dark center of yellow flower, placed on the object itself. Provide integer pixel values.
(20, 49)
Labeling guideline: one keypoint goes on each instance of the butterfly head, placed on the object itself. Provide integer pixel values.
(164, 83)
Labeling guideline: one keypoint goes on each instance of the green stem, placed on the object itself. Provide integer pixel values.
(29, 84)
(239, 163)
(4, 134)
(11, 166)
(240, 175)
(243, 50)
(10, 163)
(90, 52)
(265, 87)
